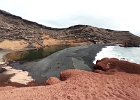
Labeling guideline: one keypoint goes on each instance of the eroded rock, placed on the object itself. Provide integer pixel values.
(129, 43)
(109, 64)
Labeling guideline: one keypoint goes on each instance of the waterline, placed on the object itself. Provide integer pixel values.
(131, 54)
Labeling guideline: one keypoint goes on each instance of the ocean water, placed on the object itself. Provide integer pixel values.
(131, 54)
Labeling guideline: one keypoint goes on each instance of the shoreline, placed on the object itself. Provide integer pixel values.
(130, 54)
(77, 83)
(80, 57)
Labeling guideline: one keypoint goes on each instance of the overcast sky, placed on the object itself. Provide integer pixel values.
(112, 14)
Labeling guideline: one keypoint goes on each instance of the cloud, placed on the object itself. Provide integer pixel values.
(114, 14)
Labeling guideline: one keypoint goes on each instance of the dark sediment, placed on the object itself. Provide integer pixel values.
(70, 58)
(88, 54)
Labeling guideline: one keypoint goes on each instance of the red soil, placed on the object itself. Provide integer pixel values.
(52, 80)
(123, 84)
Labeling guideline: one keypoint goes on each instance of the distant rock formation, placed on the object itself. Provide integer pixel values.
(129, 43)
(14, 28)
(113, 64)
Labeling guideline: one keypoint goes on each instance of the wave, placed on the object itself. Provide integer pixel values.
(131, 54)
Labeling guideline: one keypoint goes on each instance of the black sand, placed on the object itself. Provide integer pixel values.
(80, 57)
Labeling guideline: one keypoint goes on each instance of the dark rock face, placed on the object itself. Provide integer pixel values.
(15, 28)
(2, 70)
(113, 64)
(129, 43)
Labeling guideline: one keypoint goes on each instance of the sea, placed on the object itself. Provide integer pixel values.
(131, 54)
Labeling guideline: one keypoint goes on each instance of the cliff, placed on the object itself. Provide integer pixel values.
(16, 28)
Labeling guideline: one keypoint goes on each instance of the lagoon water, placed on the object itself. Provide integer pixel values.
(131, 54)
(35, 54)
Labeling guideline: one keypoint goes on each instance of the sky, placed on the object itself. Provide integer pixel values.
(120, 15)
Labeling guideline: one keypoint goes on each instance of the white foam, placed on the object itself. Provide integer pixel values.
(129, 54)
(105, 52)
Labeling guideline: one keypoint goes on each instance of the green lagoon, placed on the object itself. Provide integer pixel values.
(32, 55)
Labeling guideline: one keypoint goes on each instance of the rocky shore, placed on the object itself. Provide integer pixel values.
(80, 57)
(69, 74)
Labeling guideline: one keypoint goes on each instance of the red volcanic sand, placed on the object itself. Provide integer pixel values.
(52, 80)
(81, 85)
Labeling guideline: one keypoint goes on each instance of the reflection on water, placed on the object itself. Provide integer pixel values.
(31, 55)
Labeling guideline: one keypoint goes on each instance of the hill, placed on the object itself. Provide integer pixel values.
(15, 28)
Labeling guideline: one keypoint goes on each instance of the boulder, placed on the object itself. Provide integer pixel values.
(52, 80)
(111, 64)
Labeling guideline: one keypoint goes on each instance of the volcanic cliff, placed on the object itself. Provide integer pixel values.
(13, 28)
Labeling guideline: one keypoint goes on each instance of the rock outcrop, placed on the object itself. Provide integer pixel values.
(129, 43)
(16, 28)
(113, 64)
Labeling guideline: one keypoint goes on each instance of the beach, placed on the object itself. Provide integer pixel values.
(68, 75)
(35, 66)
(79, 57)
